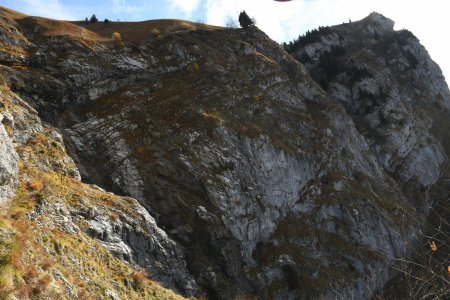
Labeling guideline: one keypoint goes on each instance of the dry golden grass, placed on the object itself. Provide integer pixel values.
(100, 31)
(140, 280)
(10, 14)
(145, 30)
(13, 50)
(213, 115)
(48, 27)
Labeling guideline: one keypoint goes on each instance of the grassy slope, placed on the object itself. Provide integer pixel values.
(10, 14)
(101, 32)
(141, 31)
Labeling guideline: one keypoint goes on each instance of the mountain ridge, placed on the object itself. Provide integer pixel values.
(270, 174)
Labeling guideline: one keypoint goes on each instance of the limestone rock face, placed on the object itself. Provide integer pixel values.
(391, 88)
(270, 174)
(8, 163)
(131, 235)
(139, 241)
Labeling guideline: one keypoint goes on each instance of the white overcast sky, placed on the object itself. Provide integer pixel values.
(282, 21)
(428, 20)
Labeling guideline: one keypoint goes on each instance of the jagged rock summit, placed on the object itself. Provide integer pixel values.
(379, 20)
(253, 171)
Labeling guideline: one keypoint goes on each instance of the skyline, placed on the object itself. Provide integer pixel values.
(282, 21)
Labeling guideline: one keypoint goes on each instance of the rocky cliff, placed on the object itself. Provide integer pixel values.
(280, 175)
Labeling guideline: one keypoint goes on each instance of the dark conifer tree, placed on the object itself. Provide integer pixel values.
(245, 20)
(93, 19)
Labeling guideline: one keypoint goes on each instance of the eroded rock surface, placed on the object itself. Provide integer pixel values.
(9, 161)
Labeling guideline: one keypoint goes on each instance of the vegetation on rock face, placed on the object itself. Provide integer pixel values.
(117, 37)
(307, 38)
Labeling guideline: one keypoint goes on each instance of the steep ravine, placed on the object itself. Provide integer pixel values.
(270, 177)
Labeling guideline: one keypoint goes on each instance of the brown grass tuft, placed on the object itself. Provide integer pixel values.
(20, 68)
(47, 264)
(45, 281)
(140, 280)
(36, 185)
(31, 274)
(117, 37)
(114, 216)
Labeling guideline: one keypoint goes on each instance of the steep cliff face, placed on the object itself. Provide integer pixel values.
(275, 180)
(399, 102)
(391, 88)
(247, 164)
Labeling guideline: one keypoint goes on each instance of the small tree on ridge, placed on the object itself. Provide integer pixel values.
(93, 19)
(244, 20)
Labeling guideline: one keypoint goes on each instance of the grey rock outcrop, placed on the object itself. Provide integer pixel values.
(9, 168)
(132, 235)
(138, 240)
